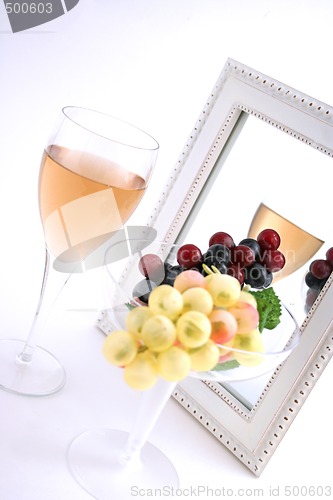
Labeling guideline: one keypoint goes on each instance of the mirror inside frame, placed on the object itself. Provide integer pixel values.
(267, 179)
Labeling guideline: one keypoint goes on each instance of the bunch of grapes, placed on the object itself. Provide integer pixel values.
(192, 325)
(316, 277)
(251, 262)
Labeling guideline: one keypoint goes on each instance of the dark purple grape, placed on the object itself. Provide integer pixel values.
(218, 256)
(219, 252)
(257, 276)
(211, 260)
(142, 290)
(171, 273)
(311, 296)
(254, 245)
(269, 279)
(314, 283)
(220, 266)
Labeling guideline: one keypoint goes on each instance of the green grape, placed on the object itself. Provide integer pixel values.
(158, 333)
(252, 346)
(120, 348)
(141, 373)
(136, 318)
(197, 299)
(224, 289)
(247, 297)
(204, 358)
(193, 329)
(166, 300)
(173, 364)
(246, 315)
(189, 279)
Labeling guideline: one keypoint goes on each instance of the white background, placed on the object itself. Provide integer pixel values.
(152, 63)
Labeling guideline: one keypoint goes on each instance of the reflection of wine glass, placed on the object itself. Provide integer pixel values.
(107, 460)
(297, 245)
(93, 174)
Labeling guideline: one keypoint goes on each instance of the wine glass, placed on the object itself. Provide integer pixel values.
(300, 244)
(106, 461)
(297, 245)
(94, 172)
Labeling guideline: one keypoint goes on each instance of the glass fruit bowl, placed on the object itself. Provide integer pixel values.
(249, 345)
(164, 323)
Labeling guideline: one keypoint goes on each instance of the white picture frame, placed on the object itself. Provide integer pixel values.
(251, 435)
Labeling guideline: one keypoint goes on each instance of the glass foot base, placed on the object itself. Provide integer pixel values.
(93, 459)
(43, 376)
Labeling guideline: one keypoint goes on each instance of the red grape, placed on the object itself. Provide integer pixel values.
(242, 255)
(223, 239)
(320, 268)
(329, 256)
(237, 272)
(273, 260)
(189, 256)
(152, 267)
(269, 239)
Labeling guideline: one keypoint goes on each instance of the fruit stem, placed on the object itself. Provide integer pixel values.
(209, 270)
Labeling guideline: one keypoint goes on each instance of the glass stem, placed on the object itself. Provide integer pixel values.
(151, 405)
(47, 297)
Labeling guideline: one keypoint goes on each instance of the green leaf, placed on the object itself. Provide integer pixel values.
(269, 308)
(227, 365)
(130, 306)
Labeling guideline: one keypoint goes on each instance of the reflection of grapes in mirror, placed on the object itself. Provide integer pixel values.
(297, 245)
(252, 262)
(316, 278)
